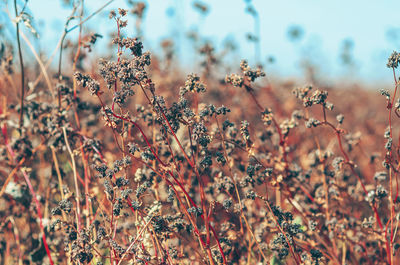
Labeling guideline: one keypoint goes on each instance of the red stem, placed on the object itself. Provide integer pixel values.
(169, 172)
(38, 208)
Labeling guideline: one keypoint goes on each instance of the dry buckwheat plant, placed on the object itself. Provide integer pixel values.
(132, 160)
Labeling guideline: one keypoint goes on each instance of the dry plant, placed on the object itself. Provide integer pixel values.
(129, 162)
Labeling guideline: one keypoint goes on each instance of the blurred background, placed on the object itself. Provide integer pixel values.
(345, 40)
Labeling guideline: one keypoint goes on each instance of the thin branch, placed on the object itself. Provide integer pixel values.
(21, 63)
(77, 195)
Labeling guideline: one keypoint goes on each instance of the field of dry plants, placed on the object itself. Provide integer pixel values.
(132, 160)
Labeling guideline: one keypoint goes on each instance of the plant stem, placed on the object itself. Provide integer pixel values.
(21, 63)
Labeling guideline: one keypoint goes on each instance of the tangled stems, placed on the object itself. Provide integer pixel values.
(236, 189)
(338, 133)
(282, 141)
(28, 182)
(347, 161)
(351, 165)
(390, 108)
(192, 165)
(168, 182)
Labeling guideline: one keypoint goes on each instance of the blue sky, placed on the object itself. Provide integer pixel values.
(326, 24)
